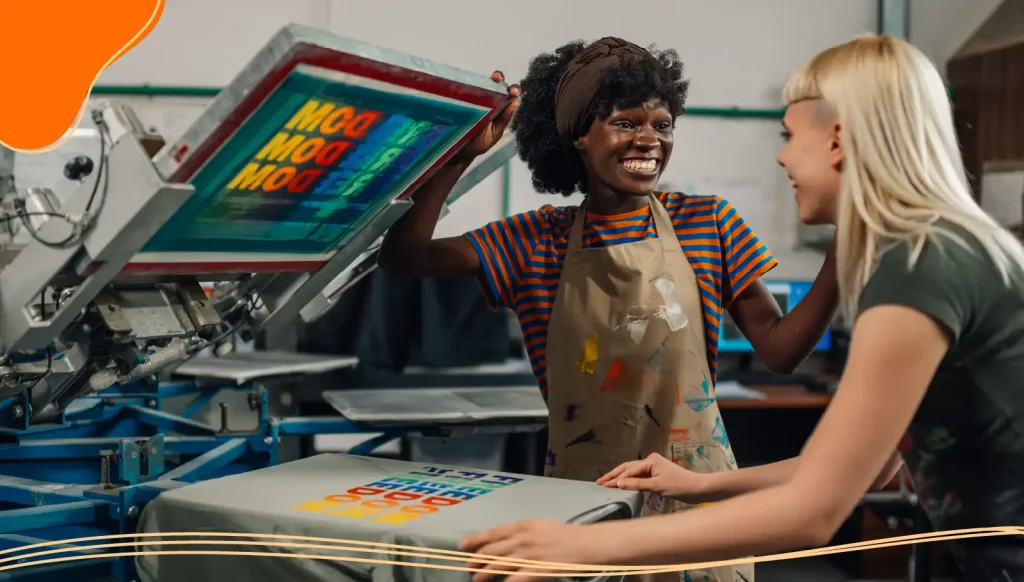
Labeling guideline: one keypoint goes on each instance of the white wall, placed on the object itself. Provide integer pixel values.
(940, 27)
(737, 53)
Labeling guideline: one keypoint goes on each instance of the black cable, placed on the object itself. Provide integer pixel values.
(234, 328)
(19, 207)
(7, 218)
(97, 118)
(104, 163)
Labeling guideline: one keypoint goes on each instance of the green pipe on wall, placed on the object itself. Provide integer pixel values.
(735, 112)
(506, 190)
(153, 91)
(182, 91)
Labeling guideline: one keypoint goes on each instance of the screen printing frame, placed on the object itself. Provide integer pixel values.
(296, 46)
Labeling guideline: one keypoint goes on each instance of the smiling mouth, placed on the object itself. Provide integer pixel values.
(641, 165)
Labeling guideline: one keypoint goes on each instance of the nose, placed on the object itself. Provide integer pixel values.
(646, 138)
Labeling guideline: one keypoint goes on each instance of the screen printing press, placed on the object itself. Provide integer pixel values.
(263, 212)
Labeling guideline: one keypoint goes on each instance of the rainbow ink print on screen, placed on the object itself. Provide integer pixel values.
(315, 161)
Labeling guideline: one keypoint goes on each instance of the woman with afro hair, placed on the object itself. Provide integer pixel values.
(620, 300)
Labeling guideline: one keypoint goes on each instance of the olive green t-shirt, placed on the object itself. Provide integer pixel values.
(965, 445)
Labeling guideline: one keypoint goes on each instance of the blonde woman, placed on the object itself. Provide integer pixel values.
(935, 374)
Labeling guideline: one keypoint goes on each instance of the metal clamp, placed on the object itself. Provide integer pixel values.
(140, 461)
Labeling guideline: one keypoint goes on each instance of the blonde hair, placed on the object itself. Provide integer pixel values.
(902, 168)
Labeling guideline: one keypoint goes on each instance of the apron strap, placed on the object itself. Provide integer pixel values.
(576, 232)
(662, 222)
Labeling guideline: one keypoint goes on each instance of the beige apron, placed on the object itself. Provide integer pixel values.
(627, 369)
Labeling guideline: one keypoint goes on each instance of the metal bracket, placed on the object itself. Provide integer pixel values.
(285, 295)
(141, 461)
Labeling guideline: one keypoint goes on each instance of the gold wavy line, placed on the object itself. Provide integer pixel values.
(436, 552)
(330, 559)
(157, 10)
(913, 538)
(427, 554)
(419, 552)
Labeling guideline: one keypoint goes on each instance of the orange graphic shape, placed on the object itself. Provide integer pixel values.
(615, 372)
(678, 435)
(57, 51)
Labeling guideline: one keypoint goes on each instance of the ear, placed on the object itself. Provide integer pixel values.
(836, 146)
(581, 146)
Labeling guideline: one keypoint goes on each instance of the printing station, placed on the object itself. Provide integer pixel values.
(129, 294)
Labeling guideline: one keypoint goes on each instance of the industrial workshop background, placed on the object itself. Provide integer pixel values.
(737, 54)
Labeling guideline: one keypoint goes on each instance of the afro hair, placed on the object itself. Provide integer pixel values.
(555, 164)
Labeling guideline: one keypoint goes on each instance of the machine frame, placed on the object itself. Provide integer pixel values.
(92, 476)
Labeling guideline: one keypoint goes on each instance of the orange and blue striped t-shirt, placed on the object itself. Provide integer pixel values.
(522, 258)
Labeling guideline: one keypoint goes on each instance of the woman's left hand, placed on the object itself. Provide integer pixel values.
(543, 541)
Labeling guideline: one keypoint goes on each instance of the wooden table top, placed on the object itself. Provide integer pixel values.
(782, 396)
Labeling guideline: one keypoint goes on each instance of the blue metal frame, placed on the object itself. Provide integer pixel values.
(52, 477)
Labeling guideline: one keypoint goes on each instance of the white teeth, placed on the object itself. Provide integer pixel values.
(640, 165)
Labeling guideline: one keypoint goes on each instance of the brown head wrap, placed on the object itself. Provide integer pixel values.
(577, 88)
